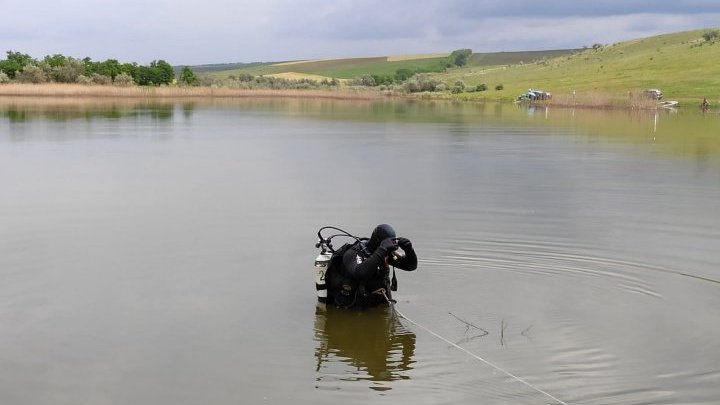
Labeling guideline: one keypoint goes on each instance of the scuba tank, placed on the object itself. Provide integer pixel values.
(321, 264)
(322, 261)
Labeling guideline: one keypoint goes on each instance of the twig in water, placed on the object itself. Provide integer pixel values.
(468, 325)
(526, 331)
(502, 333)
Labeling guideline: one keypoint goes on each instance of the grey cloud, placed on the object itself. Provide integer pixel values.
(263, 30)
(562, 8)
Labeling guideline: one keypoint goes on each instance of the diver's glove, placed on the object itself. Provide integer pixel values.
(388, 245)
(404, 243)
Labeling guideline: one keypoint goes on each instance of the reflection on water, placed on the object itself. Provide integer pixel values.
(23, 109)
(671, 132)
(137, 252)
(362, 345)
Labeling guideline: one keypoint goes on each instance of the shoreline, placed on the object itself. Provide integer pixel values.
(58, 90)
(63, 91)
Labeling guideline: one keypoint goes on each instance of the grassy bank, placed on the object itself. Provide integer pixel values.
(683, 65)
(95, 91)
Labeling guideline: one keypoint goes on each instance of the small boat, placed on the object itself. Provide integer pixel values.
(668, 104)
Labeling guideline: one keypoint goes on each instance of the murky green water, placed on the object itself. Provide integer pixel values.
(162, 253)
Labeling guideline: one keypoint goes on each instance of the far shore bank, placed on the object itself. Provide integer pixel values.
(57, 91)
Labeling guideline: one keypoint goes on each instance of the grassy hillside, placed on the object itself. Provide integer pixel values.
(683, 65)
(339, 68)
(511, 58)
(384, 65)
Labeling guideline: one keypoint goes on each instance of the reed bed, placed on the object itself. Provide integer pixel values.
(91, 91)
(634, 101)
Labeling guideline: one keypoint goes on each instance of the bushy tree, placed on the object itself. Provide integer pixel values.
(15, 63)
(710, 35)
(123, 80)
(382, 79)
(82, 79)
(163, 71)
(187, 76)
(421, 82)
(129, 69)
(55, 60)
(246, 77)
(157, 73)
(458, 87)
(103, 80)
(69, 71)
(31, 74)
(364, 80)
(459, 57)
(109, 68)
(4, 78)
(403, 74)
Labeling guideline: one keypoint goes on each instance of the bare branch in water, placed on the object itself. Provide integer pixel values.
(502, 332)
(526, 331)
(468, 325)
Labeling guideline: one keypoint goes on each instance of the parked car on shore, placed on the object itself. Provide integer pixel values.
(654, 94)
(534, 95)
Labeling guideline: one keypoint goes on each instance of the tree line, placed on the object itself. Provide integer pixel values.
(457, 58)
(21, 67)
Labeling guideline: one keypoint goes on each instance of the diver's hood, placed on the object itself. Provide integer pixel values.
(380, 233)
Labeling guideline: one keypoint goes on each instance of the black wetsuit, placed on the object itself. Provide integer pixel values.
(363, 280)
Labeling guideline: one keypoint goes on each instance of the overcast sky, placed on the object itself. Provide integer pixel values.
(222, 31)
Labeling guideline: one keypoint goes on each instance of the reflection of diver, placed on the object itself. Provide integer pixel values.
(373, 342)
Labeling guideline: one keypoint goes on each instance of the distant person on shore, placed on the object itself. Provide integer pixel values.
(705, 104)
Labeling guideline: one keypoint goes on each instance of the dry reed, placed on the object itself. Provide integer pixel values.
(90, 91)
(634, 100)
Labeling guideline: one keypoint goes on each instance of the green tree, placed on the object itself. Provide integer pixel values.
(31, 74)
(157, 73)
(460, 57)
(15, 63)
(382, 79)
(459, 87)
(69, 71)
(710, 35)
(403, 74)
(123, 80)
(55, 60)
(109, 67)
(187, 76)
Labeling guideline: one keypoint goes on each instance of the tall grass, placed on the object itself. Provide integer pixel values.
(79, 90)
(596, 99)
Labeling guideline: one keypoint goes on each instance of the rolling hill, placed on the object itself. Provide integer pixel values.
(684, 65)
(349, 68)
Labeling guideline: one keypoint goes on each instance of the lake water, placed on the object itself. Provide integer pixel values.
(162, 253)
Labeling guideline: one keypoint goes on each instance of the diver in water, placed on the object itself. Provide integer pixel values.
(361, 275)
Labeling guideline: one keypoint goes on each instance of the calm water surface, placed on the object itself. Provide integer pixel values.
(162, 253)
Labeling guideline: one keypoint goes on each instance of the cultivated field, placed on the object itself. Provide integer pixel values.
(340, 68)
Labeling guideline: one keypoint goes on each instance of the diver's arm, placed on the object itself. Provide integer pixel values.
(361, 269)
(408, 262)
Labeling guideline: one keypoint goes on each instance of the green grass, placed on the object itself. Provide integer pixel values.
(339, 68)
(511, 58)
(683, 65)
